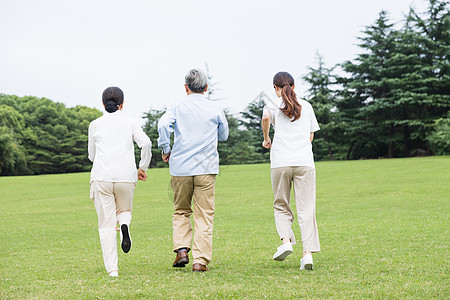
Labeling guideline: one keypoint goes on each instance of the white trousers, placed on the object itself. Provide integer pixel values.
(113, 202)
(304, 181)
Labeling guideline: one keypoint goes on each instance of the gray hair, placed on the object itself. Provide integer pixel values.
(196, 80)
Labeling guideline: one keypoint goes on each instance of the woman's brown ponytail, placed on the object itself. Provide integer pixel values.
(291, 107)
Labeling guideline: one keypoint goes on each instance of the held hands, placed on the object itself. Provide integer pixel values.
(142, 175)
(165, 157)
(267, 143)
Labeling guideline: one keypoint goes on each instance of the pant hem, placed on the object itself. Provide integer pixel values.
(176, 249)
(199, 261)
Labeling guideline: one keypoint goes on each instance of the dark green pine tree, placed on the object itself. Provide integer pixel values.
(426, 38)
(322, 99)
(398, 86)
(365, 102)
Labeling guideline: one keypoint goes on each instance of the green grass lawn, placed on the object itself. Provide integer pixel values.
(383, 227)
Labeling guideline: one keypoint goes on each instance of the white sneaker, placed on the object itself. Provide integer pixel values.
(283, 251)
(114, 274)
(125, 238)
(306, 263)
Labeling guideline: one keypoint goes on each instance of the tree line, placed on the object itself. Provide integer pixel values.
(391, 100)
(39, 136)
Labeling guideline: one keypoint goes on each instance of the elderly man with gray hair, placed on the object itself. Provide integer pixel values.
(198, 124)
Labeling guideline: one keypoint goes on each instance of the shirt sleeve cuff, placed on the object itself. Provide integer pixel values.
(166, 149)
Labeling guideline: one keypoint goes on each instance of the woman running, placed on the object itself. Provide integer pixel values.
(292, 163)
(114, 174)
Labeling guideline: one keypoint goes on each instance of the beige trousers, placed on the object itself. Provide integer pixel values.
(304, 181)
(113, 202)
(201, 189)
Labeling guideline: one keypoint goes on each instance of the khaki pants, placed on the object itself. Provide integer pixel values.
(113, 202)
(304, 181)
(200, 188)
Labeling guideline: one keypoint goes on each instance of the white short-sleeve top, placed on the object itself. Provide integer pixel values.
(291, 145)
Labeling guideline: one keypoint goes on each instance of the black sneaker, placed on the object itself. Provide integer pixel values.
(125, 238)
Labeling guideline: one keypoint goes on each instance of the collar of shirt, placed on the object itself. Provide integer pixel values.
(117, 112)
(197, 96)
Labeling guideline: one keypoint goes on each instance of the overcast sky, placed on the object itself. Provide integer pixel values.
(70, 51)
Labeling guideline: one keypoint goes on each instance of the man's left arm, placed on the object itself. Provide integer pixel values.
(223, 130)
(165, 129)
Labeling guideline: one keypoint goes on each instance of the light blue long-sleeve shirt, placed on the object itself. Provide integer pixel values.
(197, 124)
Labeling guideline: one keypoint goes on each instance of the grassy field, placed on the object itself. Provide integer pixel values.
(383, 227)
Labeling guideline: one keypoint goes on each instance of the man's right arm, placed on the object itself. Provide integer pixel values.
(165, 129)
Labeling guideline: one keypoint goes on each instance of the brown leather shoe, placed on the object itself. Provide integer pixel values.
(181, 260)
(199, 268)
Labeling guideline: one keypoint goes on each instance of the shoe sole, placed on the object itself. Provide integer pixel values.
(283, 255)
(181, 263)
(309, 267)
(126, 240)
